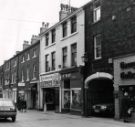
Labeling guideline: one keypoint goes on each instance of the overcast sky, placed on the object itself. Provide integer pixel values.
(20, 19)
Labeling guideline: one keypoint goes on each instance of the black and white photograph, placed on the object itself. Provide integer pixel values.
(67, 63)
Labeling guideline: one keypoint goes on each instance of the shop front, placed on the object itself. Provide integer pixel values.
(71, 83)
(32, 95)
(50, 92)
(124, 84)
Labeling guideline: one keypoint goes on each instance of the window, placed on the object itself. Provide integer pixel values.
(76, 99)
(97, 47)
(73, 24)
(53, 35)
(53, 60)
(34, 53)
(47, 63)
(64, 53)
(22, 76)
(28, 56)
(27, 74)
(47, 39)
(97, 11)
(64, 27)
(34, 71)
(23, 59)
(74, 55)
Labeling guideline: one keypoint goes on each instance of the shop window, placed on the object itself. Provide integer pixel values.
(66, 93)
(66, 99)
(76, 99)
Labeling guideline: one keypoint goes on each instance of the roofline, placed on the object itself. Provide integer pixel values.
(63, 20)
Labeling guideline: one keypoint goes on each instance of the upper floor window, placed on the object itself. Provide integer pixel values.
(15, 63)
(73, 24)
(47, 39)
(64, 57)
(28, 56)
(47, 68)
(97, 47)
(64, 29)
(28, 78)
(34, 53)
(23, 59)
(34, 71)
(53, 35)
(53, 60)
(97, 11)
(74, 54)
(22, 76)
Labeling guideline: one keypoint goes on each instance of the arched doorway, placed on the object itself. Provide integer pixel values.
(99, 94)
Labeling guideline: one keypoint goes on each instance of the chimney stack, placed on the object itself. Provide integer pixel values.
(65, 11)
(44, 27)
(34, 39)
(25, 44)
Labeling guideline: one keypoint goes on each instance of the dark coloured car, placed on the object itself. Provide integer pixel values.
(8, 109)
(104, 109)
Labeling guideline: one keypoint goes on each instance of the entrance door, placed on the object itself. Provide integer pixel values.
(57, 99)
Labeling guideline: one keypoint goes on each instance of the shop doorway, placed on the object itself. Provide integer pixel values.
(51, 99)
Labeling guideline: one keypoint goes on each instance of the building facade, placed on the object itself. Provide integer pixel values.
(28, 73)
(1, 80)
(108, 33)
(62, 47)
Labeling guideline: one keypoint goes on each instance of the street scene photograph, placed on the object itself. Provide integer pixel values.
(67, 63)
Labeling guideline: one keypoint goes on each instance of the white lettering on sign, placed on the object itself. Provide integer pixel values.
(52, 80)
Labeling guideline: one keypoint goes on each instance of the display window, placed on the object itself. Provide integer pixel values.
(66, 104)
(76, 99)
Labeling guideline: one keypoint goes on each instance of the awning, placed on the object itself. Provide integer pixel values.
(98, 75)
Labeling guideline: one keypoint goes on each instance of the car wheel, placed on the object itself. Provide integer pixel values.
(14, 119)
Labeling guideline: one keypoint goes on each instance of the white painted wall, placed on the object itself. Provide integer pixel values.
(77, 37)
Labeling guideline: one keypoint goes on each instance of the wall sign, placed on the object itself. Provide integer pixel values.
(52, 80)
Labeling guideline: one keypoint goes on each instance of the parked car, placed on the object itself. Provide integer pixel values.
(8, 109)
(104, 109)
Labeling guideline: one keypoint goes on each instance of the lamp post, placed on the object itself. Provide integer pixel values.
(83, 72)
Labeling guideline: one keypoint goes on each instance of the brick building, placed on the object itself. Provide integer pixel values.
(109, 32)
(28, 72)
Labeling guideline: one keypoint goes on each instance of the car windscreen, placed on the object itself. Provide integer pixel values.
(6, 103)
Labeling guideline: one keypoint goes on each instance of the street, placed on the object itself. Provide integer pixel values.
(50, 119)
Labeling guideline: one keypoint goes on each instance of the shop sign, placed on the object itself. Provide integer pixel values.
(21, 84)
(52, 80)
(124, 70)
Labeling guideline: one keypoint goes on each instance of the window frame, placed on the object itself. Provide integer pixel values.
(64, 29)
(73, 24)
(97, 48)
(47, 63)
(64, 57)
(96, 18)
(73, 55)
(47, 39)
(53, 35)
(53, 60)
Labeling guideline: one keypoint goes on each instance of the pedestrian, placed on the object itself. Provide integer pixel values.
(24, 105)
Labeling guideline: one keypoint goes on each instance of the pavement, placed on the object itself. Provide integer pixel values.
(34, 118)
